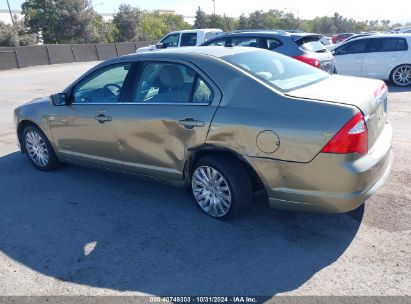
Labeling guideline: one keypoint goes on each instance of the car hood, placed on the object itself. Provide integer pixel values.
(45, 99)
(146, 48)
(356, 91)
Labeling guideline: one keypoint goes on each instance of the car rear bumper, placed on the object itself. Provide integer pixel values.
(330, 183)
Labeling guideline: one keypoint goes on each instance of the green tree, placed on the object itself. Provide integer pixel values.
(127, 21)
(16, 35)
(216, 21)
(152, 27)
(61, 21)
(256, 20)
(174, 22)
(242, 22)
(201, 19)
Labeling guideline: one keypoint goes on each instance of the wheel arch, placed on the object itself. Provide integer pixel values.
(20, 127)
(199, 152)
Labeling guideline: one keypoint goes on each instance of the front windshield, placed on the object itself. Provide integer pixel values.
(282, 72)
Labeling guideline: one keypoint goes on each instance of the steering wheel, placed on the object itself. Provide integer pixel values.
(113, 88)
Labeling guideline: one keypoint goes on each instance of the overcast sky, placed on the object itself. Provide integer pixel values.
(399, 10)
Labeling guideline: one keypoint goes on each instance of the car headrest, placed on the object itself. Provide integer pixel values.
(171, 76)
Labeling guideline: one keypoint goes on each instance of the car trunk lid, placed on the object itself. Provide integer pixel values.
(368, 95)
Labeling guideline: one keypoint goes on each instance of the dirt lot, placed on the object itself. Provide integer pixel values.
(79, 231)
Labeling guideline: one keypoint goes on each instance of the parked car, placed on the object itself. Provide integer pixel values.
(326, 40)
(183, 38)
(340, 37)
(384, 56)
(401, 30)
(223, 121)
(333, 46)
(301, 46)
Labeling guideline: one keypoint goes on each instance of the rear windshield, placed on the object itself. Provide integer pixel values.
(311, 43)
(282, 72)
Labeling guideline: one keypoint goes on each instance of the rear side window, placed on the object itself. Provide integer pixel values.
(188, 39)
(244, 41)
(388, 45)
(162, 82)
(353, 47)
(273, 44)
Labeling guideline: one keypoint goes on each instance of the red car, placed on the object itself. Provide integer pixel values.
(341, 37)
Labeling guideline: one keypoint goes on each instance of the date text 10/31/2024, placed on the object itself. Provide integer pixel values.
(204, 299)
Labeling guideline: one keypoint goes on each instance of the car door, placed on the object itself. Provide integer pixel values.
(349, 57)
(169, 112)
(383, 55)
(84, 129)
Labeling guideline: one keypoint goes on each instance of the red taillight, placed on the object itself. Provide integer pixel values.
(352, 138)
(309, 60)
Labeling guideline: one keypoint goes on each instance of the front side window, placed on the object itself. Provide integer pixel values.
(353, 47)
(171, 83)
(103, 86)
(188, 39)
(282, 72)
(171, 40)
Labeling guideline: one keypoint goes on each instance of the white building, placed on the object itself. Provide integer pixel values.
(5, 15)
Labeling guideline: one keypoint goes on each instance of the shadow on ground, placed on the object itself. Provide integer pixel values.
(98, 229)
(394, 89)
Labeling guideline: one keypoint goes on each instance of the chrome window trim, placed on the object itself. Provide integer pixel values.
(144, 103)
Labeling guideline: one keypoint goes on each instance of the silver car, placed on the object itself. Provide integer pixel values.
(224, 122)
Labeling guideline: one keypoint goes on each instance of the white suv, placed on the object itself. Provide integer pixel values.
(183, 38)
(386, 57)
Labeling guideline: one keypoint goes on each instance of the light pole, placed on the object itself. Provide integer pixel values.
(11, 15)
(214, 6)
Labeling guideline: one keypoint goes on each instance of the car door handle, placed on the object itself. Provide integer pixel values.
(101, 118)
(190, 123)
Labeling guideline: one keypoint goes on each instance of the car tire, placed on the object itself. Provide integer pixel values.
(221, 186)
(401, 75)
(38, 149)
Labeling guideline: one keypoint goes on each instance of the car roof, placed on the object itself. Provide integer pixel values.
(374, 36)
(215, 51)
(265, 32)
(196, 31)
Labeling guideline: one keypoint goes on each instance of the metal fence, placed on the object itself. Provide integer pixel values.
(25, 56)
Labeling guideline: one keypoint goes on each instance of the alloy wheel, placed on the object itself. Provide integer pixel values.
(211, 191)
(402, 75)
(37, 149)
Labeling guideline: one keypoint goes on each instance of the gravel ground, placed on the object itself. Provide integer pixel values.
(79, 231)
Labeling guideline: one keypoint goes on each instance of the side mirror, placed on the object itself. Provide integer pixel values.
(59, 99)
(333, 52)
(161, 45)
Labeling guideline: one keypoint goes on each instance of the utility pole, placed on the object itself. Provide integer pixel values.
(11, 15)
